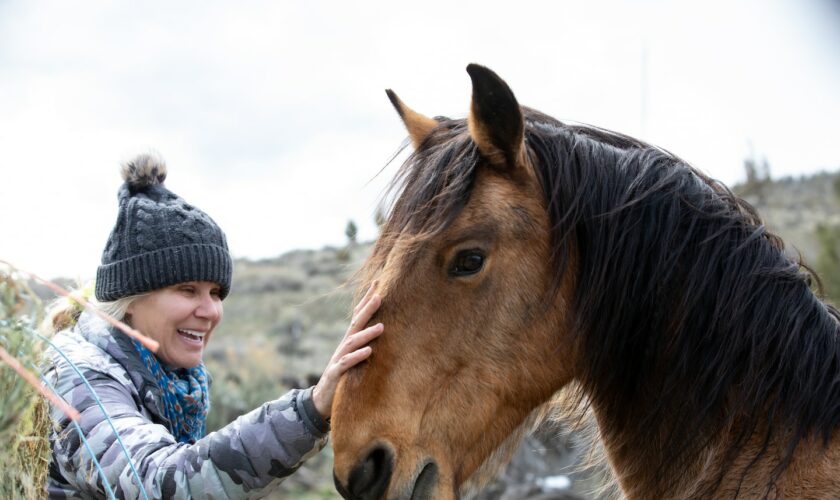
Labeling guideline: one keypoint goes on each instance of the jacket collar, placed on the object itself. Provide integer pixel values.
(119, 347)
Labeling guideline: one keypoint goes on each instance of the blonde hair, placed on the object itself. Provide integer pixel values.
(64, 312)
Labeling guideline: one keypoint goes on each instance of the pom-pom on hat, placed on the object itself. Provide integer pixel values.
(159, 239)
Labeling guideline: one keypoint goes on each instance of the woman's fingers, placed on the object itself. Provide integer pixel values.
(352, 351)
(357, 340)
(368, 294)
(360, 339)
(352, 359)
(365, 313)
(324, 391)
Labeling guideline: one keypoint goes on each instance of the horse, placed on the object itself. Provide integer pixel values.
(521, 256)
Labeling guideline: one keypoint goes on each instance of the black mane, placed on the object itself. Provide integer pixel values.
(691, 315)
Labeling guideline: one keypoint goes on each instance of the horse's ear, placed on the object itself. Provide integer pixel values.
(495, 121)
(419, 126)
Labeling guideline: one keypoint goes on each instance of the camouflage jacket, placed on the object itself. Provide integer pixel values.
(245, 459)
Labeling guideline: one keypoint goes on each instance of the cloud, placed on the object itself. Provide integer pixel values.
(273, 118)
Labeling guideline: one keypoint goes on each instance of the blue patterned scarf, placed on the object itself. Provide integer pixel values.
(186, 399)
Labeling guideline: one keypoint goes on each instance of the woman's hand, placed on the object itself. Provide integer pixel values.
(352, 350)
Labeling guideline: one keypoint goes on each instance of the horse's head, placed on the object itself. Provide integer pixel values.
(476, 334)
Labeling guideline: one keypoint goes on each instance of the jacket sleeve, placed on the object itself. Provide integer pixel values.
(245, 459)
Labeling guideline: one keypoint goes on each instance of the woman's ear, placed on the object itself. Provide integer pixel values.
(128, 312)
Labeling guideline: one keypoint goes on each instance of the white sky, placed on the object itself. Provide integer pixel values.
(272, 117)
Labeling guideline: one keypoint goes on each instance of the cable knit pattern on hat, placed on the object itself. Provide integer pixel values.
(159, 239)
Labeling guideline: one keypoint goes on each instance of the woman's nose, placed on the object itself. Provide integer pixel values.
(209, 308)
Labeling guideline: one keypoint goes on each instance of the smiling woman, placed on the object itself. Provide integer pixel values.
(181, 318)
(165, 271)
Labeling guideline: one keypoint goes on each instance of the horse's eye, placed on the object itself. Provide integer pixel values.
(467, 262)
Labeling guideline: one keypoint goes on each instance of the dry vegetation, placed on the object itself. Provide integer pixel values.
(23, 418)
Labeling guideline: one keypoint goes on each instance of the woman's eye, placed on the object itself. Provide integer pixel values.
(467, 262)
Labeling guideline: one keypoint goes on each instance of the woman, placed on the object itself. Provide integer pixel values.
(165, 271)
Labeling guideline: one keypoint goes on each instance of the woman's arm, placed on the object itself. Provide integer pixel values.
(241, 460)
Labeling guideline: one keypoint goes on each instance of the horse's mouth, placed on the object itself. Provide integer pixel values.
(424, 485)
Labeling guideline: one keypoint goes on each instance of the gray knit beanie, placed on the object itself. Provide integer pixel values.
(159, 239)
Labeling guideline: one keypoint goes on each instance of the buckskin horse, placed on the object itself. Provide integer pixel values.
(523, 255)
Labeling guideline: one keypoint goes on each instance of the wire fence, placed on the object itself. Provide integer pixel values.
(16, 318)
(109, 490)
(104, 414)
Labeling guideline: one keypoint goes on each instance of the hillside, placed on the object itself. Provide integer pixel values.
(285, 316)
(792, 208)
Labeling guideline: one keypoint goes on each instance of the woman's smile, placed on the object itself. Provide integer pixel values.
(192, 337)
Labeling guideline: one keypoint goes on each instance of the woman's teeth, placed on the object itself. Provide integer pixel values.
(192, 334)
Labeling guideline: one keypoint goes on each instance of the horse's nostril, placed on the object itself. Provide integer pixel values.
(369, 479)
(424, 485)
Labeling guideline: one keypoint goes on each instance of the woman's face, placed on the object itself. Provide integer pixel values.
(181, 318)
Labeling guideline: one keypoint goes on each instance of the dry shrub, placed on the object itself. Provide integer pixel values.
(24, 416)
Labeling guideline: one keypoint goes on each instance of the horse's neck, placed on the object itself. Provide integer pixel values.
(814, 471)
(634, 464)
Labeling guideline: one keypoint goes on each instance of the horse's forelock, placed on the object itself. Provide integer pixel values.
(429, 191)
